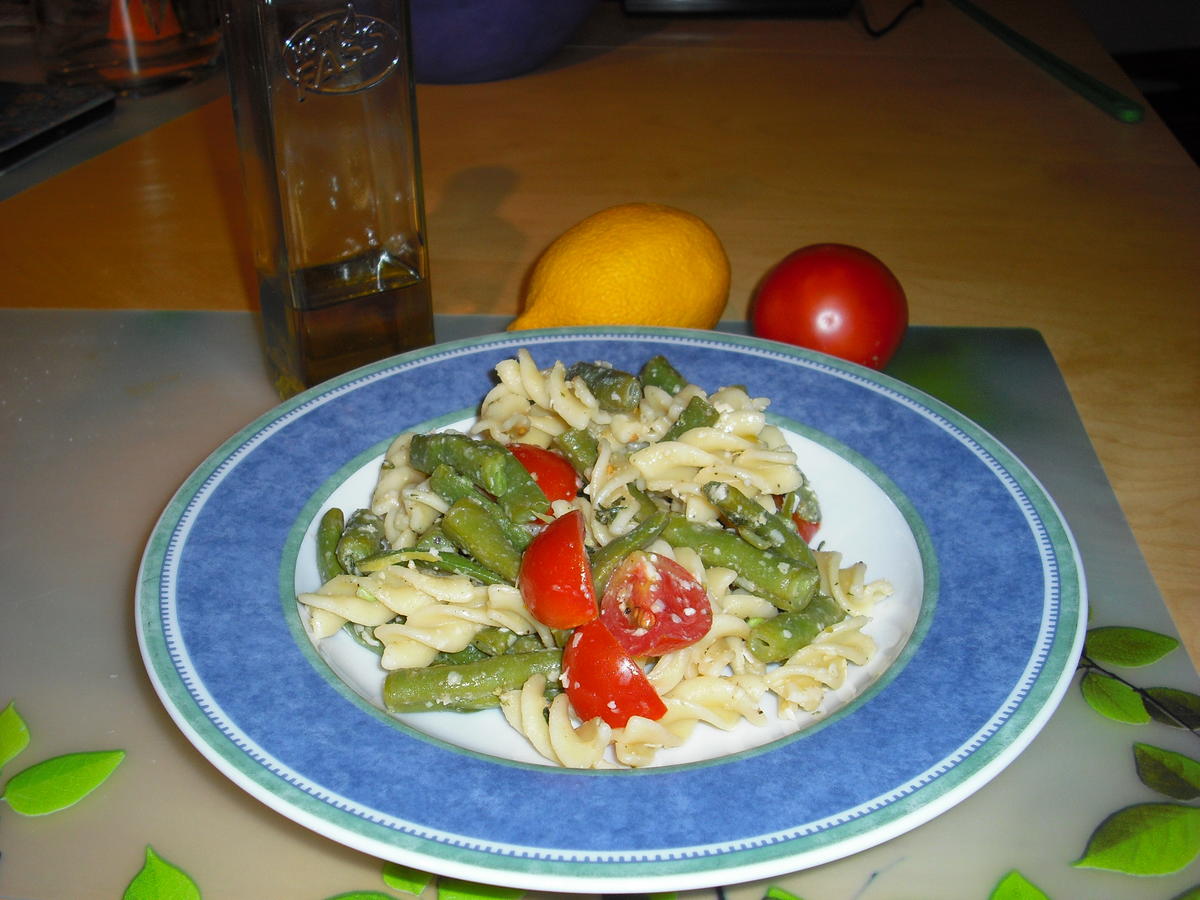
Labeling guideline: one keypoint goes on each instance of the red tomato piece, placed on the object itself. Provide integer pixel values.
(833, 298)
(555, 577)
(603, 680)
(653, 605)
(554, 475)
(806, 528)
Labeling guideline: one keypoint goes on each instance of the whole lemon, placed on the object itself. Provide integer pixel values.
(630, 264)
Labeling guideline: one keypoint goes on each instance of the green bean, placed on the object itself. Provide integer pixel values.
(771, 528)
(364, 636)
(802, 502)
(646, 505)
(338, 540)
(659, 372)
(494, 641)
(614, 390)
(471, 686)
(329, 532)
(579, 447)
(467, 654)
(446, 561)
(698, 412)
(784, 582)
(433, 551)
(488, 464)
(776, 639)
(451, 486)
(475, 532)
(434, 540)
(362, 537)
(606, 559)
(754, 539)
(526, 643)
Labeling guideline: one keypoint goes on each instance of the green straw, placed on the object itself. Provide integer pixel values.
(1111, 101)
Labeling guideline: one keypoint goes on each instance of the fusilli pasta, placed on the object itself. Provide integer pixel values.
(415, 618)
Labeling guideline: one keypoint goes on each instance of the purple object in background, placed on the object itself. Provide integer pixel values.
(463, 41)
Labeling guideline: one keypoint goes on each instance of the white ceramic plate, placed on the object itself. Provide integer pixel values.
(976, 646)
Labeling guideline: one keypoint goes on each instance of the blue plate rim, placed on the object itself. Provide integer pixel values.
(768, 854)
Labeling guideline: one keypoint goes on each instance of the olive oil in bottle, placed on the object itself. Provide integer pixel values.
(378, 314)
(327, 128)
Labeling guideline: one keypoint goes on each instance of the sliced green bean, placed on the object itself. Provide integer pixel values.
(579, 447)
(338, 540)
(433, 550)
(494, 641)
(776, 639)
(488, 464)
(698, 412)
(770, 528)
(802, 502)
(659, 372)
(364, 636)
(754, 539)
(525, 643)
(471, 686)
(467, 654)
(606, 559)
(329, 532)
(784, 582)
(646, 505)
(452, 487)
(447, 561)
(362, 537)
(435, 540)
(474, 531)
(614, 390)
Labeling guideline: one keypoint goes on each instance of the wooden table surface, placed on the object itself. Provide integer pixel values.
(996, 195)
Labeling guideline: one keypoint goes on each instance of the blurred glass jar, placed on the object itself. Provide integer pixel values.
(133, 46)
(325, 108)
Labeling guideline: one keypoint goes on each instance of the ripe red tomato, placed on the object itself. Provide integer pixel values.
(653, 605)
(836, 299)
(808, 530)
(603, 680)
(553, 474)
(555, 577)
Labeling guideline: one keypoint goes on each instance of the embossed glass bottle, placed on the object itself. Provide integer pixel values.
(325, 110)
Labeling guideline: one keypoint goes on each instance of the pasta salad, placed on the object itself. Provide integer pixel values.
(612, 559)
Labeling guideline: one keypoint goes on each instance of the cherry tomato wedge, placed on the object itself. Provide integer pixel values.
(653, 605)
(555, 577)
(806, 528)
(553, 474)
(603, 680)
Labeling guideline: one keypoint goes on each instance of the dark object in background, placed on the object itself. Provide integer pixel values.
(817, 9)
(466, 41)
(34, 116)
(779, 9)
(1170, 81)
